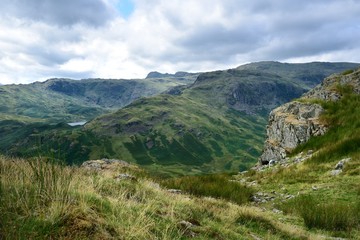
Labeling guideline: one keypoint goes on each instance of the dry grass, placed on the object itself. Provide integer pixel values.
(76, 203)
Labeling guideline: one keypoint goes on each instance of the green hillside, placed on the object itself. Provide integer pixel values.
(69, 100)
(306, 196)
(27, 109)
(216, 124)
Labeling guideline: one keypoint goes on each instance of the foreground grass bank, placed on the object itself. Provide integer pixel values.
(43, 200)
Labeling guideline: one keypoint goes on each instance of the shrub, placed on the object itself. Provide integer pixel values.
(333, 216)
(215, 185)
(347, 72)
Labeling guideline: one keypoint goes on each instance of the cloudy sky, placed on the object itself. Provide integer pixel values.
(40, 39)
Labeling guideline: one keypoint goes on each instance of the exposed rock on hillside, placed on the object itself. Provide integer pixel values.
(290, 125)
(295, 123)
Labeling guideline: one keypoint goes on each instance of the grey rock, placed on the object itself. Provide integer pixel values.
(289, 196)
(295, 122)
(272, 163)
(340, 165)
(176, 191)
(290, 125)
(277, 211)
(336, 172)
(103, 163)
(255, 237)
(125, 176)
(185, 224)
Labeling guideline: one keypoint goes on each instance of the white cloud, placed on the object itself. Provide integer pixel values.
(40, 39)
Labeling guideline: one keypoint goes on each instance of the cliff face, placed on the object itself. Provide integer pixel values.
(296, 122)
(290, 125)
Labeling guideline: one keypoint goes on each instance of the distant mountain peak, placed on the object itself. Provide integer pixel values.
(156, 74)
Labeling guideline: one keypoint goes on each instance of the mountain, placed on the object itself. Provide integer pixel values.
(73, 100)
(311, 193)
(216, 124)
(28, 107)
(177, 75)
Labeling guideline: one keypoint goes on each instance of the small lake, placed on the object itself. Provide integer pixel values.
(74, 124)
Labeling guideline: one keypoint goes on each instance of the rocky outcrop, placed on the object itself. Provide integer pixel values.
(290, 125)
(296, 122)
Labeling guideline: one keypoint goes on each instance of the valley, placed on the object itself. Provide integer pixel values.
(217, 123)
(310, 192)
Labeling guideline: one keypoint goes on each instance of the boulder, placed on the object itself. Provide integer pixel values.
(103, 164)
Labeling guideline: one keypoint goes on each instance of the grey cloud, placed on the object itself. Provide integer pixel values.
(59, 12)
(216, 42)
(278, 29)
(48, 56)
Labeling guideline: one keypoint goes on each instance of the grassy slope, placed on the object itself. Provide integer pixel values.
(39, 200)
(29, 109)
(73, 100)
(329, 204)
(198, 131)
(314, 204)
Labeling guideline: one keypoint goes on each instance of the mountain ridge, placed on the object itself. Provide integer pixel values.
(211, 125)
(313, 193)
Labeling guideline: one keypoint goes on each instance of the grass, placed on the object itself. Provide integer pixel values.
(34, 197)
(174, 132)
(323, 203)
(43, 200)
(204, 127)
(215, 185)
(332, 216)
(342, 117)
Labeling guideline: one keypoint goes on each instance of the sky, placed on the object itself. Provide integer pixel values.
(41, 39)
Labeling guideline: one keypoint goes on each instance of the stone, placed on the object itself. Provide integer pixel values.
(341, 163)
(187, 227)
(277, 211)
(125, 176)
(176, 191)
(103, 163)
(289, 196)
(336, 172)
(255, 237)
(185, 224)
(272, 163)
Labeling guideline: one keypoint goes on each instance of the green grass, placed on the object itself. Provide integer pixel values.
(34, 198)
(342, 118)
(215, 185)
(203, 128)
(43, 200)
(332, 215)
(174, 131)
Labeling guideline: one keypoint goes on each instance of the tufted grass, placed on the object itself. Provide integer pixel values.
(43, 200)
(342, 117)
(332, 215)
(214, 185)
